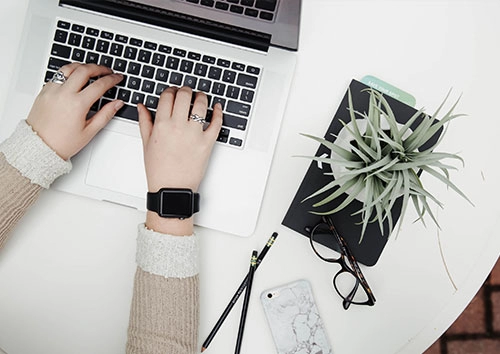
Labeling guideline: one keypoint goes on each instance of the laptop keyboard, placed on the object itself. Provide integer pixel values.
(259, 9)
(150, 67)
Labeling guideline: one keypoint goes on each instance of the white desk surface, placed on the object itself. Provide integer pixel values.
(66, 275)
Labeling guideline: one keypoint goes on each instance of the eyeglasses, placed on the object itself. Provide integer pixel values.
(349, 282)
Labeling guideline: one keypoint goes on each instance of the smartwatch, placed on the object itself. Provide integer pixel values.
(179, 203)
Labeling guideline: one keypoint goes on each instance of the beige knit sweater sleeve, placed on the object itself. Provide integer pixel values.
(164, 313)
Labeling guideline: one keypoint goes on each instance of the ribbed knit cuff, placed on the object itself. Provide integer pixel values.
(35, 160)
(167, 255)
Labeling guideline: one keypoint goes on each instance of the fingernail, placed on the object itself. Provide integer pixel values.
(118, 104)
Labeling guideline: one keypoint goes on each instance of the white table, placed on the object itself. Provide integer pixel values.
(66, 275)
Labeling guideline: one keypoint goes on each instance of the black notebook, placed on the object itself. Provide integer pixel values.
(299, 215)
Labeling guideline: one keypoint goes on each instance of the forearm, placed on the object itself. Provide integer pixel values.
(164, 315)
(27, 166)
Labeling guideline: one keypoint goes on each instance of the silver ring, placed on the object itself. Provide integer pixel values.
(58, 78)
(196, 118)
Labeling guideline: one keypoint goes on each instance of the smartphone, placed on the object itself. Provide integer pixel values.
(294, 319)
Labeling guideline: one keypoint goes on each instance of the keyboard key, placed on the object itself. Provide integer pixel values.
(235, 141)
(121, 38)
(204, 85)
(148, 71)
(236, 9)
(152, 102)
(266, 16)
(63, 24)
(61, 50)
(214, 73)
(158, 59)
(111, 93)
(194, 56)
(144, 56)
(176, 79)
(102, 46)
(229, 76)
(247, 81)
(92, 58)
(238, 108)
(88, 42)
(220, 100)
(136, 42)
(253, 70)
(150, 45)
(92, 31)
(221, 5)
(78, 55)
(134, 68)
(200, 69)
(233, 92)
(55, 63)
(238, 66)
(208, 59)
(165, 49)
(190, 81)
(148, 86)
(138, 97)
(247, 2)
(74, 39)
(107, 35)
(161, 75)
(251, 12)
(186, 66)
(130, 53)
(224, 63)
(116, 49)
(160, 88)
(172, 63)
(120, 65)
(269, 5)
(234, 122)
(78, 28)
(208, 3)
(106, 61)
(218, 88)
(247, 95)
(128, 112)
(124, 95)
(61, 36)
(179, 52)
(134, 83)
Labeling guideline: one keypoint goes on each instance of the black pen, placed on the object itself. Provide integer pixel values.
(246, 299)
(237, 294)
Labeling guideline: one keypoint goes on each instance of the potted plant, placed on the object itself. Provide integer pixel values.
(378, 159)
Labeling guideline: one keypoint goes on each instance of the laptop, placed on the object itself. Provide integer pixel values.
(241, 53)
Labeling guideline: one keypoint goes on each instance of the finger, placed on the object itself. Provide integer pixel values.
(166, 103)
(215, 124)
(200, 106)
(82, 74)
(182, 103)
(102, 117)
(96, 89)
(145, 123)
(67, 70)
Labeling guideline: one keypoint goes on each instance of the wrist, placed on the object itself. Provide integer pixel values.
(171, 226)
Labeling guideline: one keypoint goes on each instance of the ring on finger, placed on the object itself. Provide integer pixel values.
(196, 118)
(58, 78)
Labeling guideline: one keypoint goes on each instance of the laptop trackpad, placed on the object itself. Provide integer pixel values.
(116, 164)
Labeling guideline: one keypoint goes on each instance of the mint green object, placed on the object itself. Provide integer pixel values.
(389, 90)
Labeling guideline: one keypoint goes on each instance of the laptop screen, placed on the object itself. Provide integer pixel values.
(255, 24)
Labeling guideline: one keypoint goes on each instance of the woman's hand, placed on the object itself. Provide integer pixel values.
(59, 113)
(177, 149)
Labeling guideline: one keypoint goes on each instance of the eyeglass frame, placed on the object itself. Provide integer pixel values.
(355, 270)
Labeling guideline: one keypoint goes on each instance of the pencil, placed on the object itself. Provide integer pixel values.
(246, 299)
(237, 294)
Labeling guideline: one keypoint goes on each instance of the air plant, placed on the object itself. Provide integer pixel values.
(384, 161)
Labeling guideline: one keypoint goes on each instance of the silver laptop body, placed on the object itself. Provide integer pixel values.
(110, 168)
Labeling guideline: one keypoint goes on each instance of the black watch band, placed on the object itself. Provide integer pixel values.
(179, 203)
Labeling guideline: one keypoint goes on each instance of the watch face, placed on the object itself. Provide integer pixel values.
(176, 203)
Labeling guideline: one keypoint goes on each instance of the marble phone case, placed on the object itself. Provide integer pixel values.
(294, 319)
